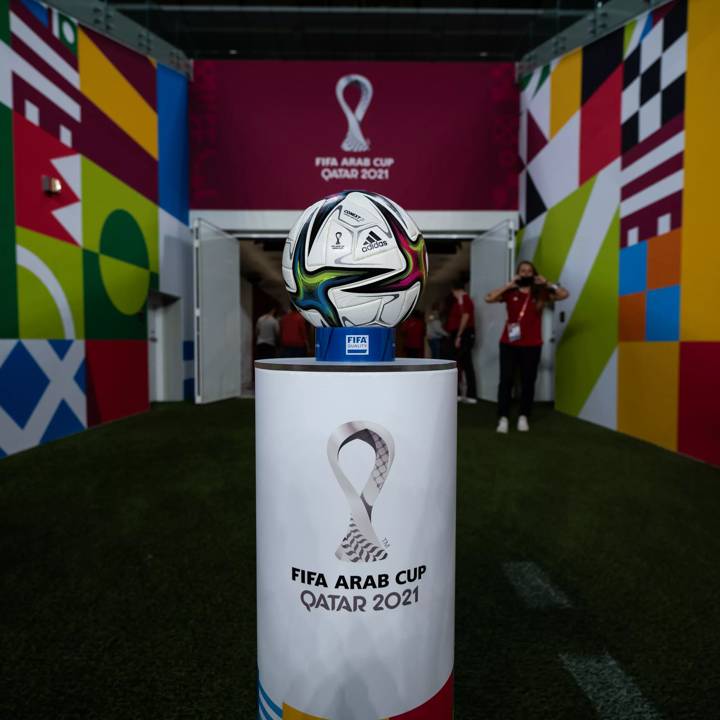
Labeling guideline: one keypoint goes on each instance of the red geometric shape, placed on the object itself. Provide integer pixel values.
(668, 130)
(137, 69)
(116, 374)
(438, 707)
(536, 140)
(653, 176)
(698, 416)
(661, 12)
(34, 150)
(646, 219)
(103, 142)
(600, 129)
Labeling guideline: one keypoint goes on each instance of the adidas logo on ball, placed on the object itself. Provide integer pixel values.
(373, 242)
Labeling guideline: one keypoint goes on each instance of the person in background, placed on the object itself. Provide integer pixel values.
(266, 335)
(435, 332)
(460, 326)
(525, 296)
(413, 332)
(293, 334)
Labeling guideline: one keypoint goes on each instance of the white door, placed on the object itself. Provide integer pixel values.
(165, 347)
(492, 257)
(216, 264)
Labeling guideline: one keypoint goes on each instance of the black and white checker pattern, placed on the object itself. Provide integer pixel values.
(654, 78)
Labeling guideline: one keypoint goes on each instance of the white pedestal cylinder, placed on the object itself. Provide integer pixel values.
(356, 539)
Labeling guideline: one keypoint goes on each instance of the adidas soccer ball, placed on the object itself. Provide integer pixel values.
(355, 258)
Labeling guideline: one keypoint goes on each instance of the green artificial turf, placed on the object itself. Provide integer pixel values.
(127, 584)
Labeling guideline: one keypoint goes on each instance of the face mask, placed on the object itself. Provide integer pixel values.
(526, 281)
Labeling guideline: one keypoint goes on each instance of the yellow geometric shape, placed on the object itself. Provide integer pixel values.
(290, 713)
(126, 285)
(565, 87)
(39, 316)
(108, 88)
(648, 380)
(700, 248)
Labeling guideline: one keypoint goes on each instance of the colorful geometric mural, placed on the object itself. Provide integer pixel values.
(615, 157)
(43, 392)
(77, 266)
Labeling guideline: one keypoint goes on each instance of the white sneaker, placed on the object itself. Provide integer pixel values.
(523, 424)
(470, 401)
(503, 425)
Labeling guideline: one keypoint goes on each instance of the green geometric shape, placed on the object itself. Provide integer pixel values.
(5, 21)
(518, 240)
(591, 334)
(558, 233)
(121, 238)
(126, 285)
(39, 314)
(103, 195)
(544, 75)
(524, 81)
(103, 319)
(67, 31)
(64, 261)
(629, 29)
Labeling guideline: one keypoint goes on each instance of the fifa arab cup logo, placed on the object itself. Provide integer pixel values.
(361, 543)
(354, 141)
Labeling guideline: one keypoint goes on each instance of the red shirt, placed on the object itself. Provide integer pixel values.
(292, 330)
(531, 323)
(413, 331)
(457, 310)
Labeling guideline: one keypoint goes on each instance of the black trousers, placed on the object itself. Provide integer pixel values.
(463, 357)
(527, 360)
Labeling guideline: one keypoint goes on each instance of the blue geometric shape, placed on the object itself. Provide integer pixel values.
(174, 152)
(189, 388)
(38, 10)
(22, 384)
(188, 350)
(662, 314)
(648, 26)
(64, 422)
(633, 268)
(2, 454)
(61, 347)
(80, 376)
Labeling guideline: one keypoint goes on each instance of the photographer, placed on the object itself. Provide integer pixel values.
(521, 342)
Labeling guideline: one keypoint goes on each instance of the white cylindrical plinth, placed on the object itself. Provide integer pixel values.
(356, 539)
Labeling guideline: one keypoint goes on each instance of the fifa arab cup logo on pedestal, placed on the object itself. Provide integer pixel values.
(355, 259)
(354, 141)
(361, 543)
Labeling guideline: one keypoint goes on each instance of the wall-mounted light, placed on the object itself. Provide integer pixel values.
(51, 185)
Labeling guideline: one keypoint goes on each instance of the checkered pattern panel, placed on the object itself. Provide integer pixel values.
(654, 78)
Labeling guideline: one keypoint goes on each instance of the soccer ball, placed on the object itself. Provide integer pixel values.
(354, 258)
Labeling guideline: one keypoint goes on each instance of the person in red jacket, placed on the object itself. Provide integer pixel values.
(293, 334)
(413, 334)
(525, 296)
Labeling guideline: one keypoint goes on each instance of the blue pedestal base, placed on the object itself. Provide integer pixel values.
(358, 344)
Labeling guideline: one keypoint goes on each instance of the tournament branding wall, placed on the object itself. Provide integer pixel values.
(76, 267)
(616, 192)
(275, 135)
